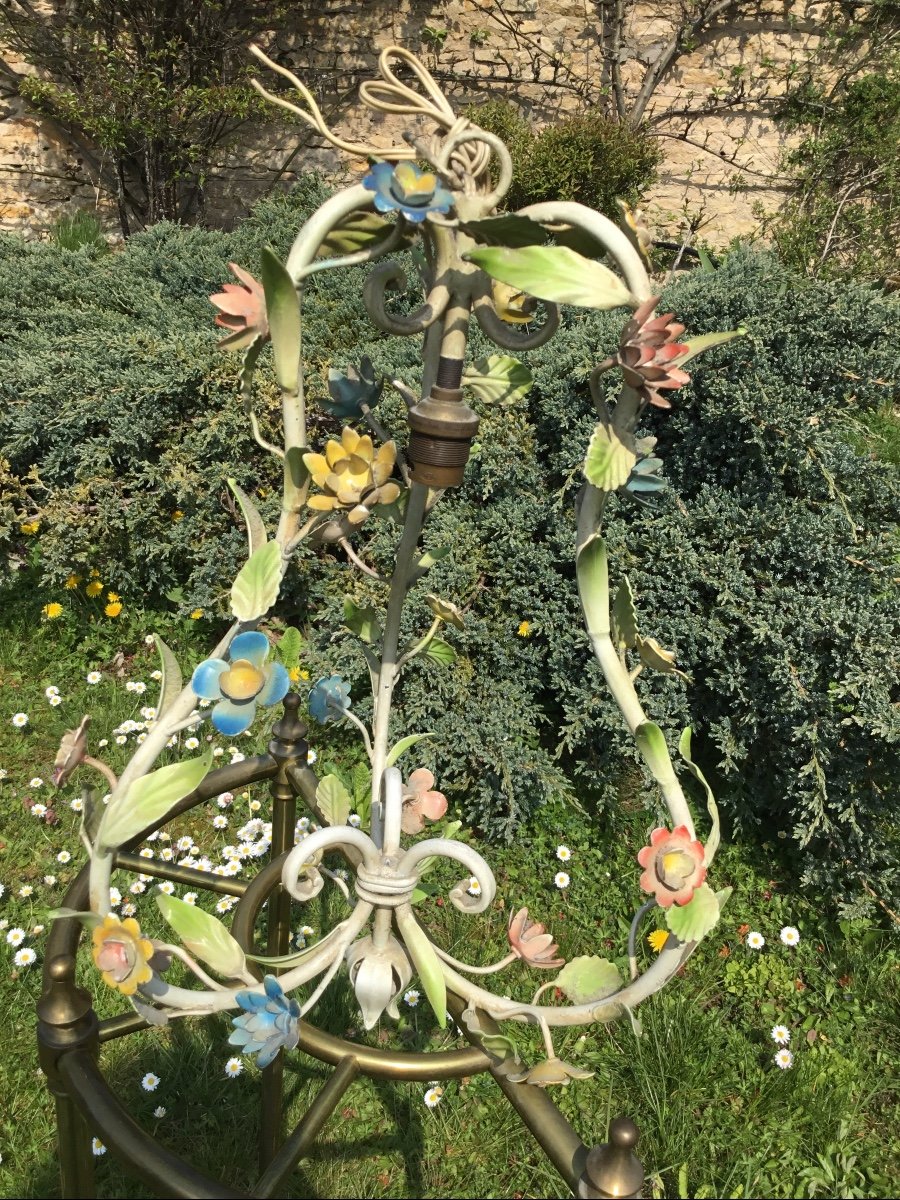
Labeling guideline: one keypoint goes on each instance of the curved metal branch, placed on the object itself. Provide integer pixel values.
(391, 274)
(503, 334)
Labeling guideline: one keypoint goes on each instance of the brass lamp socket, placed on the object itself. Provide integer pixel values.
(442, 427)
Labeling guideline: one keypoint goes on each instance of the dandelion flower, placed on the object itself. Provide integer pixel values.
(233, 1068)
(24, 957)
(433, 1097)
(97, 1147)
(524, 629)
(52, 611)
(20, 720)
(755, 941)
(789, 935)
(150, 1082)
(72, 582)
(196, 614)
(563, 853)
(561, 879)
(112, 597)
(411, 997)
(784, 1059)
(93, 677)
(94, 588)
(113, 609)
(781, 1034)
(657, 939)
(30, 527)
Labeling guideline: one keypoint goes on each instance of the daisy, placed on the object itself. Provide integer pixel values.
(38, 810)
(166, 854)
(784, 1059)
(220, 821)
(38, 929)
(233, 1068)
(156, 675)
(55, 701)
(789, 935)
(76, 805)
(355, 820)
(150, 1082)
(307, 931)
(150, 640)
(115, 897)
(563, 853)
(167, 886)
(36, 782)
(128, 909)
(474, 888)
(224, 800)
(103, 743)
(137, 888)
(93, 677)
(218, 752)
(24, 957)
(781, 1034)
(121, 739)
(146, 852)
(184, 843)
(97, 1147)
(561, 879)
(64, 856)
(2, 772)
(411, 998)
(225, 904)
(20, 720)
(26, 890)
(15, 937)
(190, 897)
(255, 805)
(49, 880)
(311, 757)
(51, 691)
(433, 1097)
(191, 743)
(159, 1112)
(237, 757)
(755, 941)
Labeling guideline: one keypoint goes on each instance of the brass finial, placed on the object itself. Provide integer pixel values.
(612, 1170)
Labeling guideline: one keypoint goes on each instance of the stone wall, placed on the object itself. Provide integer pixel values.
(720, 167)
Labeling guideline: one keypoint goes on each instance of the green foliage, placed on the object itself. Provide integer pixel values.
(589, 158)
(81, 228)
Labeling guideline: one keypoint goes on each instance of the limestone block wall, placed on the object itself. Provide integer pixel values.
(551, 55)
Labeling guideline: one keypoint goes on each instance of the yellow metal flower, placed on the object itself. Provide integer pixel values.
(113, 609)
(446, 610)
(52, 611)
(511, 305)
(94, 588)
(122, 954)
(352, 476)
(657, 939)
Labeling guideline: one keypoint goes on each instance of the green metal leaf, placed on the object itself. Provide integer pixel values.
(654, 656)
(712, 842)
(507, 229)
(593, 585)
(498, 379)
(256, 530)
(283, 309)
(655, 752)
(363, 622)
(257, 584)
(692, 921)
(149, 798)
(203, 936)
(610, 457)
(624, 617)
(440, 651)
(706, 341)
(588, 978)
(170, 684)
(357, 231)
(427, 561)
(426, 962)
(289, 647)
(403, 745)
(334, 800)
(555, 273)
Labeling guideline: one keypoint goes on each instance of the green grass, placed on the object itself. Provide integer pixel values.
(717, 1118)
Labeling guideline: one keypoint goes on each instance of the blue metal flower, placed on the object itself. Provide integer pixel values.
(407, 189)
(241, 682)
(350, 391)
(329, 699)
(269, 1023)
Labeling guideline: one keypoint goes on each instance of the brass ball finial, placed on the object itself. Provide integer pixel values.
(612, 1172)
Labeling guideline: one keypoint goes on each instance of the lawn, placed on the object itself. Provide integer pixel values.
(718, 1116)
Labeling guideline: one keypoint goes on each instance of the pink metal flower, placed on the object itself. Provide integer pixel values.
(242, 310)
(673, 866)
(531, 942)
(647, 353)
(419, 801)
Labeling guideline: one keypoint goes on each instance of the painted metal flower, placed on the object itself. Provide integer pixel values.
(531, 942)
(379, 976)
(419, 801)
(350, 390)
(407, 189)
(673, 865)
(446, 610)
(242, 309)
(241, 682)
(71, 753)
(122, 954)
(352, 475)
(268, 1023)
(648, 351)
(551, 1071)
(329, 699)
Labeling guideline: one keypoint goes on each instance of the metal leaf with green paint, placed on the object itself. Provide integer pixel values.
(363, 622)
(426, 963)
(403, 745)
(257, 584)
(588, 978)
(334, 800)
(692, 921)
(440, 651)
(150, 798)
(256, 530)
(712, 842)
(283, 309)
(555, 273)
(593, 585)
(498, 379)
(624, 617)
(203, 936)
(170, 685)
(610, 457)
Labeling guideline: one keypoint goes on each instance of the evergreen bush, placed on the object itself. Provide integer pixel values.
(774, 552)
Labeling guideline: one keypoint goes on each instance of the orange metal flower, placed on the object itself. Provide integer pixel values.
(242, 309)
(419, 801)
(531, 942)
(122, 954)
(648, 351)
(673, 865)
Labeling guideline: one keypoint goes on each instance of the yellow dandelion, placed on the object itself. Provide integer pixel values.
(196, 614)
(52, 611)
(525, 629)
(113, 609)
(657, 939)
(112, 597)
(94, 588)
(72, 582)
(30, 527)
(295, 674)
(177, 515)
(95, 574)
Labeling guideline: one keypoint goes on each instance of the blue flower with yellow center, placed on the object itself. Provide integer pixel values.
(268, 1023)
(407, 189)
(240, 683)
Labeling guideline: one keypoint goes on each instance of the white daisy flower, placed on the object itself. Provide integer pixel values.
(191, 743)
(433, 1097)
(93, 677)
(24, 957)
(225, 799)
(38, 810)
(97, 1147)
(184, 843)
(156, 675)
(220, 821)
(167, 854)
(237, 757)
(115, 897)
(146, 852)
(77, 805)
(103, 743)
(20, 720)
(755, 940)
(563, 853)
(190, 897)
(233, 1068)
(51, 691)
(121, 739)
(167, 886)
(561, 879)
(789, 935)
(64, 856)
(311, 757)
(474, 888)
(36, 782)
(15, 937)
(128, 909)
(205, 703)
(255, 805)
(55, 701)
(159, 1112)
(784, 1059)
(781, 1034)
(38, 929)
(218, 752)
(137, 888)
(49, 880)
(307, 931)
(150, 640)
(411, 997)
(150, 1082)
(355, 820)
(225, 904)
(26, 890)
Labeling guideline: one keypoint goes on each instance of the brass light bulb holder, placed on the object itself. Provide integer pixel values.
(442, 427)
